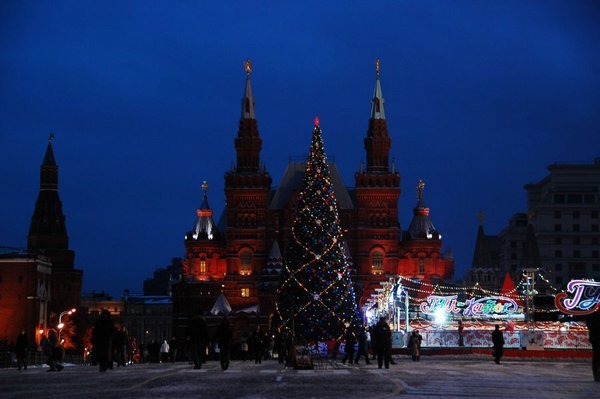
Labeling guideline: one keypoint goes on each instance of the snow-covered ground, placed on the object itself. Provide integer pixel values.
(435, 376)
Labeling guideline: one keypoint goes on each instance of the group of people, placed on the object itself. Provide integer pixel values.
(199, 340)
(110, 343)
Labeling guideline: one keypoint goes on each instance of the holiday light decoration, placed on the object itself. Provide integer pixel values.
(585, 300)
(316, 299)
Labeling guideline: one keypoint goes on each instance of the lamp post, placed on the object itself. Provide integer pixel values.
(60, 323)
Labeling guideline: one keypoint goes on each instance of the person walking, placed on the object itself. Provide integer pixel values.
(102, 337)
(414, 344)
(223, 337)
(498, 342)
(350, 339)
(164, 351)
(258, 345)
(593, 325)
(21, 350)
(198, 339)
(50, 346)
(382, 336)
(362, 346)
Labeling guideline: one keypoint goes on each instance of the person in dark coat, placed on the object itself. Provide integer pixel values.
(120, 342)
(350, 339)
(198, 339)
(53, 351)
(382, 336)
(593, 325)
(461, 329)
(498, 342)
(362, 346)
(258, 342)
(102, 337)
(21, 350)
(224, 338)
(414, 344)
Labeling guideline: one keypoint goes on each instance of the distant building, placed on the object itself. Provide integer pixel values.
(147, 317)
(93, 303)
(559, 233)
(162, 281)
(241, 257)
(24, 296)
(564, 208)
(48, 237)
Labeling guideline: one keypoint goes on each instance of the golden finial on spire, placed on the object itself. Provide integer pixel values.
(248, 67)
(420, 188)
(204, 186)
(51, 138)
(481, 217)
(377, 66)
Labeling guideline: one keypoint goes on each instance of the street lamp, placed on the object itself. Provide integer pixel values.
(60, 323)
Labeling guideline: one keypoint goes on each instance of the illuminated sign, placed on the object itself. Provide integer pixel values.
(585, 300)
(436, 302)
(490, 306)
(474, 307)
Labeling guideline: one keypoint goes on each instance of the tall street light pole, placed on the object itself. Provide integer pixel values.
(60, 323)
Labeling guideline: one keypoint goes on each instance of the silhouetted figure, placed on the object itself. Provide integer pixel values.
(120, 342)
(53, 351)
(173, 349)
(593, 325)
(414, 344)
(224, 338)
(382, 338)
(198, 339)
(498, 342)
(21, 350)
(362, 346)
(258, 342)
(102, 337)
(461, 328)
(350, 339)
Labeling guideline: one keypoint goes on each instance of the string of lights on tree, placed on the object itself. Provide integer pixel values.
(316, 298)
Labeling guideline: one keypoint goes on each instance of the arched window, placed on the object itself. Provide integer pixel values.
(202, 266)
(245, 263)
(377, 262)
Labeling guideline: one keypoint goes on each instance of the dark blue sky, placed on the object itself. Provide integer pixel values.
(144, 98)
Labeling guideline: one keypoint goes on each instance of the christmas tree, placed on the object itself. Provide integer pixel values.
(316, 299)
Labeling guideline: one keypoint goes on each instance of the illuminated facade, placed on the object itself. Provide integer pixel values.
(24, 295)
(242, 256)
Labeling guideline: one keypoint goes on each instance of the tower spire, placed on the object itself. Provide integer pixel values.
(248, 100)
(47, 228)
(377, 111)
(378, 141)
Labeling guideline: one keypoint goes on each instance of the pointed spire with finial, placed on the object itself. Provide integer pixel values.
(377, 111)
(49, 156)
(248, 100)
(205, 226)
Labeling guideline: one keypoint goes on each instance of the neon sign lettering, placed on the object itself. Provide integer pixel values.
(488, 306)
(585, 300)
(474, 307)
(435, 302)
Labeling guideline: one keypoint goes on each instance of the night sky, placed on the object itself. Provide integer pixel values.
(144, 99)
